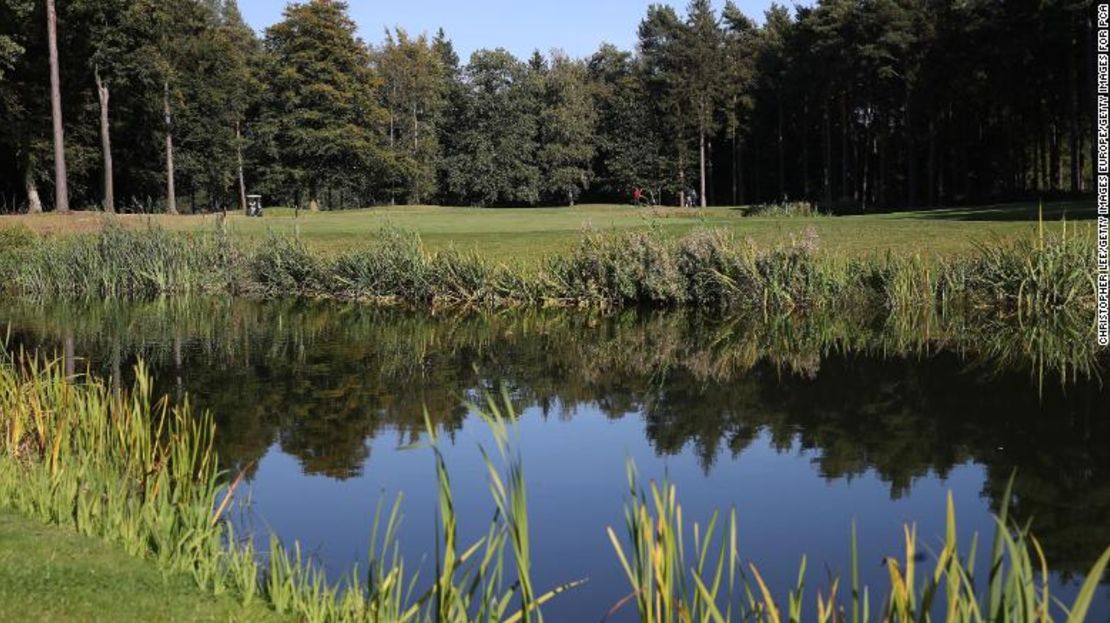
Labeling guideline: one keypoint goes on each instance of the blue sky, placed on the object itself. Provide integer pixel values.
(577, 27)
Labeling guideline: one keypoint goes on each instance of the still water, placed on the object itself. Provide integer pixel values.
(804, 425)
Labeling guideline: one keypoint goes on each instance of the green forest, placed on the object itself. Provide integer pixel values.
(853, 105)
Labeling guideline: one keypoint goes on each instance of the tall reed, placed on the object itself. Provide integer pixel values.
(143, 474)
(709, 270)
(682, 573)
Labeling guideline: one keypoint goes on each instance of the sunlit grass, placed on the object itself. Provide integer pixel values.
(527, 235)
(707, 269)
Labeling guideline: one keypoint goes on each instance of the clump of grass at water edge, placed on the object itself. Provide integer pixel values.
(707, 270)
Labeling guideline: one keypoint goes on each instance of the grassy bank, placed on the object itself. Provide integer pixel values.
(709, 269)
(142, 475)
(50, 573)
(530, 234)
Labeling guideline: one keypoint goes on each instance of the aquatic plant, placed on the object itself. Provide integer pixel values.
(681, 574)
(143, 474)
(122, 263)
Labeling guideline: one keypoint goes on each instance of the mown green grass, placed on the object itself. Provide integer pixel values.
(50, 573)
(512, 235)
(528, 234)
(712, 269)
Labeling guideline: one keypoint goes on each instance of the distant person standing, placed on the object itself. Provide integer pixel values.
(637, 196)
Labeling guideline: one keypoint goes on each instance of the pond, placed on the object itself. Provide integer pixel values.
(804, 425)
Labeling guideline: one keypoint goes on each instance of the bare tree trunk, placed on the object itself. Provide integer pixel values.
(171, 194)
(313, 200)
(931, 168)
(34, 203)
(735, 166)
(105, 143)
(1056, 163)
(416, 198)
(827, 173)
(911, 153)
(740, 198)
(781, 155)
(701, 150)
(845, 190)
(239, 165)
(867, 149)
(61, 187)
(805, 149)
(681, 182)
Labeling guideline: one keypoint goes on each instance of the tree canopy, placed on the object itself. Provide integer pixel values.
(852, 104)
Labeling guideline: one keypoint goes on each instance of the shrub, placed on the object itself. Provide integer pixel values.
(783, 209)
(283, 265)
(394, 266)
(633, 268)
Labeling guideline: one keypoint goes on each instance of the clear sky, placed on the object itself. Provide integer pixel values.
(577, 27)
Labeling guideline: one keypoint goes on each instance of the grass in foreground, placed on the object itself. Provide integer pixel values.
(528, 235)
(110, 465)
(49, 573)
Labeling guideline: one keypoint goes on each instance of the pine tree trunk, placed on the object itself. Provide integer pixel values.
(61, 186)
(911, 154)
(805, 149)
(735, 166)
(827, 181)
(741, 199)
(931, 167)
(757, 173)
(681, 183)
(1056, 168)
(105, 143)
(844, 188)
(171, 193)
(701, 149)
(781, 156)
(867, 149)
(1037, 153)
(1076, 181)
(239, 166)
(34, 203)
(313, 201)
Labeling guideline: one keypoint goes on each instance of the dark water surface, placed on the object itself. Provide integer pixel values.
(803, 425)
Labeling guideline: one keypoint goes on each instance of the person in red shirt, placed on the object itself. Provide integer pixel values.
(637, 195)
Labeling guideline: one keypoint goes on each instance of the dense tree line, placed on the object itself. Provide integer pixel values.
(853, 104)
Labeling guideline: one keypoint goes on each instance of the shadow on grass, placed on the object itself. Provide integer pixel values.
(1081, 210)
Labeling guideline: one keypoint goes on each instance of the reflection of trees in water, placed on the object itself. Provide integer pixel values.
(904, 396)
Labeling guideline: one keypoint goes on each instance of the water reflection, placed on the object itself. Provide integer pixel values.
(909, 399)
